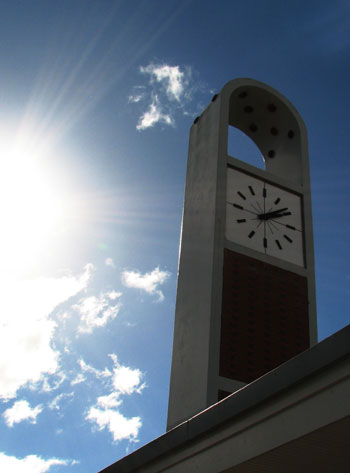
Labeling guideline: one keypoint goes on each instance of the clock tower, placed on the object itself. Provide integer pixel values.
(246, 286)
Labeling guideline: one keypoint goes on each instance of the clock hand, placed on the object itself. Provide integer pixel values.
(274, 214)
(286, 213)
(286, 225)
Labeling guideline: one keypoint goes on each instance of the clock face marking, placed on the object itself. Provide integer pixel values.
(278, 244)
(268, 216)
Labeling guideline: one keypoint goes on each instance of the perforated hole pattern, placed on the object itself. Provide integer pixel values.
(264, 320)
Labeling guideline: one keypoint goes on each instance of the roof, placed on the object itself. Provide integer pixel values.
(297, 394)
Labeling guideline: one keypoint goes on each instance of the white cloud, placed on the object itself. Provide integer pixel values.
(171, 76)
(58, 379)
(125, 381)
(135, 98)
(55, 403)
(153, 115)
(113, 295)
(20, 411)
(109, 262)
(97, 311)
(121, 427)
(168, 93)
(29, 464)
(109, 401)
(80, 378)
(26, 331)
(148, 282)
(90, 369)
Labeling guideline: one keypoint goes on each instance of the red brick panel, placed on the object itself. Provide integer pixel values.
(264, 320)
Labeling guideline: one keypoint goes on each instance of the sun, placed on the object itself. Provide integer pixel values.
(31, 204)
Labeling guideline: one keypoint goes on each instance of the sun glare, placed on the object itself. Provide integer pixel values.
(31, 205)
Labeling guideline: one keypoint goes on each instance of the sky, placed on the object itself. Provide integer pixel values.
(96, 101)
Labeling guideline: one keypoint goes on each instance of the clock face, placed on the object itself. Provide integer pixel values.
(264, 217)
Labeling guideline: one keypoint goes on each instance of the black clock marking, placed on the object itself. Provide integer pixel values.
(251, 234)
(277, 201)
(265, 242)
(241, 220)
(237, 206)
(251, 190)
(264, 192)
(278, 244)
(288, 238)
(241, 195)
(291, 227)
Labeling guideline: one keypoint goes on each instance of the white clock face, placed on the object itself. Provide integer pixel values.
(264, 217)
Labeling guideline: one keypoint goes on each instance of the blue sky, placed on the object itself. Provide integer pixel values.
(96, 102)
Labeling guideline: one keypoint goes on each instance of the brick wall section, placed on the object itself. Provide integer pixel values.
(264, 320)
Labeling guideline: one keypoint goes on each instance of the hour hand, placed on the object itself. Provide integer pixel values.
(274, 214)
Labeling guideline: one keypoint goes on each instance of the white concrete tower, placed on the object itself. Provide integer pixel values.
(246, 285)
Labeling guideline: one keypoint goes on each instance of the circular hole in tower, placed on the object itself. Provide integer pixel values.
(271, 107)
(271, 153)
(290, 134)
(253, 127)
(274, 131)
(248, 109)
(243, 95)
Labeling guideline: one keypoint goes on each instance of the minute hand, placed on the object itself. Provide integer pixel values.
(275, 214)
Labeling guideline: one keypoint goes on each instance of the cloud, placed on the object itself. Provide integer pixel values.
(106, 413)
(153, 115)
(97, 311)
(80, 378)
(168, 90)
(135, 98)
(171, 76)
(126, 380)
(90, 369)
(109, 262)
(56, 381)
(20, 411)
(147, 282)
(121, 427)
(26, 330)
(55, 403)
(29, 464)
(110, 400)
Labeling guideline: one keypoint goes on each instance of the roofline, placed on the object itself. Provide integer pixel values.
(287, 375)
